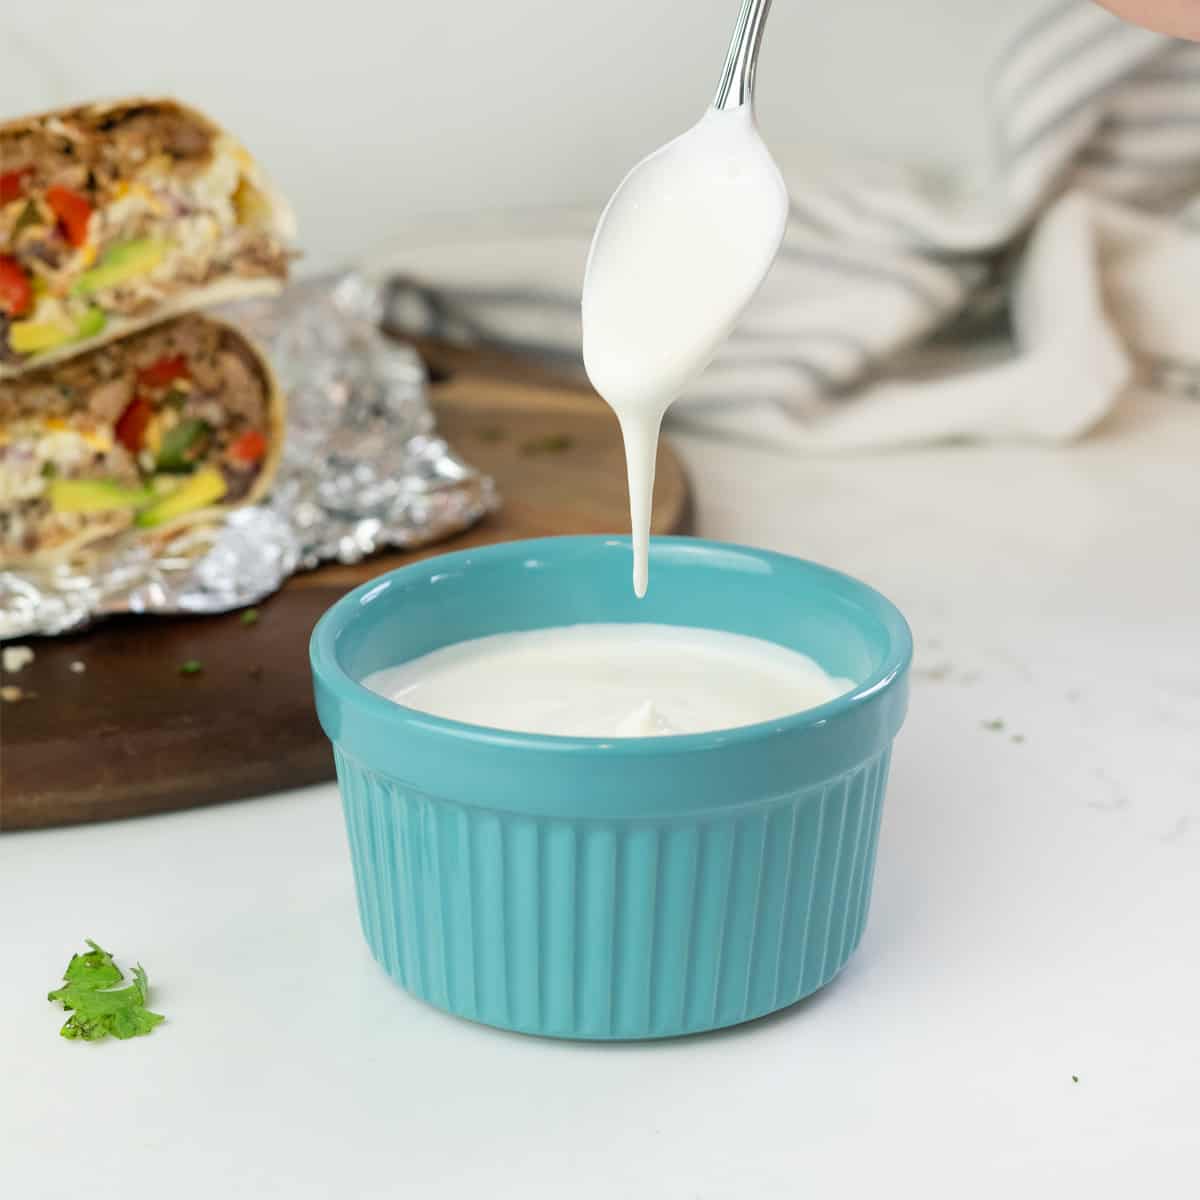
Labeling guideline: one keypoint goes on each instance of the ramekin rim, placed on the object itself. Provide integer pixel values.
(330, 672)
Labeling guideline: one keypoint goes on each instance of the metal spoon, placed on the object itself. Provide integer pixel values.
(737, 78)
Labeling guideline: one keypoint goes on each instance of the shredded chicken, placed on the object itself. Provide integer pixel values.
(243, 394)
(108, 400)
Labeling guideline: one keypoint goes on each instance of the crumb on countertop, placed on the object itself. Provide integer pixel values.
(937, 673)
(16, 657)
(11, 694)
(78, 667)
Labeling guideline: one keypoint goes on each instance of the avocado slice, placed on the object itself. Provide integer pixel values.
(121, 263)
(91, 323)
(94, 495)
(33, 337)
(205, 487)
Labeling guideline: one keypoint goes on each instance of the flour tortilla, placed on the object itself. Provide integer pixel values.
(281, 222)
(209, 295)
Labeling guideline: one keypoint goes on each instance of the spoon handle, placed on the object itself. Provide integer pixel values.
(737, 79)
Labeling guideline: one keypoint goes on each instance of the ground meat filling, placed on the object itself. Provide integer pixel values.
(92, 150)
(175, 416)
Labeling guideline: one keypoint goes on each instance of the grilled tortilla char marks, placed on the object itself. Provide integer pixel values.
(70, 420)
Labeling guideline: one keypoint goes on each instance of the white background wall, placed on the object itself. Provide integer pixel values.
(373, 115)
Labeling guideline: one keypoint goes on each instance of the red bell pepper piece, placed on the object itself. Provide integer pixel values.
(248, 447)
(73, 212)
(164, 371)
(131, 425)
(16, 293)
(12, 184)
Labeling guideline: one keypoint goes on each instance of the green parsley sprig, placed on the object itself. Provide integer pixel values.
(98, 1010)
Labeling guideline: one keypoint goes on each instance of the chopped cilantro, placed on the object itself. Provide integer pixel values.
(193, 666)
(491, 433)
(98, 1009)
(1074, 1078)
(996, 725)
(250, 616)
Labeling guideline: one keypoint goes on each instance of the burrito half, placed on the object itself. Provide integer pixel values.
(113, 216)
(163, 428)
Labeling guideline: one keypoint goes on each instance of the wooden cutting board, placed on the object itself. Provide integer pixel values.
(131, 735)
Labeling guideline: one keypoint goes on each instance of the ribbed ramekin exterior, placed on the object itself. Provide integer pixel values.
(613, 929)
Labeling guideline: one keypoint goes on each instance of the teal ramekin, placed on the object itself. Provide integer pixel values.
(599, 888)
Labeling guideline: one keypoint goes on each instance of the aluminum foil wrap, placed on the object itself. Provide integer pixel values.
(362, 470)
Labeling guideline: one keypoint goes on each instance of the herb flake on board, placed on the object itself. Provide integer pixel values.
(551, 443)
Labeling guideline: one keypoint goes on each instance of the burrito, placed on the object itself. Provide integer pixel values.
(163, 428)
(113, 216)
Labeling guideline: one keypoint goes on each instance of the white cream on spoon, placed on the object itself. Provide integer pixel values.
(603, 680)
(680, 249)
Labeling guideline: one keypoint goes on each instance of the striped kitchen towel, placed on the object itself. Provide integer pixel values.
(1087, 245)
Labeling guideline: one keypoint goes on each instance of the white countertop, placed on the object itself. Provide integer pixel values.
(1036, 913)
